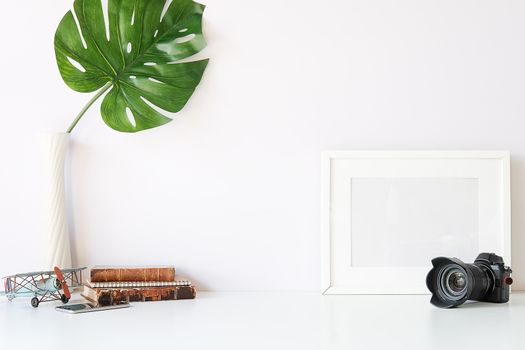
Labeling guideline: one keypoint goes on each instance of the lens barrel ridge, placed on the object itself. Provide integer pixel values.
(481, 278)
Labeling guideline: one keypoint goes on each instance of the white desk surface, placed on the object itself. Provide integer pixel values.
(269, 320)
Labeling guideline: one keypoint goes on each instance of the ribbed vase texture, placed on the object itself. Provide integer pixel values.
(58, 247)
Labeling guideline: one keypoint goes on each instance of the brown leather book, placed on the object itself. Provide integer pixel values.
(132, 274)
(114, 296)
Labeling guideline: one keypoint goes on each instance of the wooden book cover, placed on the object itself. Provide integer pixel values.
(114, 296)
(132, 274)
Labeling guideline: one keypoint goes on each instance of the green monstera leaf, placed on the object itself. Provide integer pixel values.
(133, 54)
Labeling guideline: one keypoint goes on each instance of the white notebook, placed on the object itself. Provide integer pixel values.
(138, 284)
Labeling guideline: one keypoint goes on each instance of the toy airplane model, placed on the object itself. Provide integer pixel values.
(43, 285)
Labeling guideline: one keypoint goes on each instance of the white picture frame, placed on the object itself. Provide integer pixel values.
(450, 191)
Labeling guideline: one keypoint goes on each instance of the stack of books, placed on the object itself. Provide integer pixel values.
(111, 285)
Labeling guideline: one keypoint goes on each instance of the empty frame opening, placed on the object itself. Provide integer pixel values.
(402, 222)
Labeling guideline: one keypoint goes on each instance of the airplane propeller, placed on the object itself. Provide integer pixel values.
(65, 288)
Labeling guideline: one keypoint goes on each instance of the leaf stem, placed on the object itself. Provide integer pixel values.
(86, 107)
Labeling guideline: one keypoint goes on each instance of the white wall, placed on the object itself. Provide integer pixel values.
(229, 191)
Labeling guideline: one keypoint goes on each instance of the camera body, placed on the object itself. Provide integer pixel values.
(452, 282)
(500, 274)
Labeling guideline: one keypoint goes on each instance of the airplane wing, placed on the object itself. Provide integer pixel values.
(73, 270)
(29, 274)
(39, 273)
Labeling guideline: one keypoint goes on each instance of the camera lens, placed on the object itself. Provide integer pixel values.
(452, 282)
(457, 282)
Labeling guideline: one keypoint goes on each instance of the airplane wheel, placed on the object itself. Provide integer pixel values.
(35, 302)
(64, 299)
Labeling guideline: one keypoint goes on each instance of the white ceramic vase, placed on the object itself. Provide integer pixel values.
(57, 238)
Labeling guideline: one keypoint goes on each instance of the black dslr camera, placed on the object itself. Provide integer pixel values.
(452, 282)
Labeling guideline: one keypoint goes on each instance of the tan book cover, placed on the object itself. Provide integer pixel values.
(113, 296)
(132, 274)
